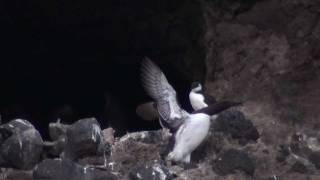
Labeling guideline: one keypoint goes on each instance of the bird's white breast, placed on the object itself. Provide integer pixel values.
(197, 101)
(190, 135)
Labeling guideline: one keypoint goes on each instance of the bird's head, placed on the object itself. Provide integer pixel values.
(196, 86)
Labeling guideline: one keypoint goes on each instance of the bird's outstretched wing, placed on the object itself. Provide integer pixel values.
(158, 87)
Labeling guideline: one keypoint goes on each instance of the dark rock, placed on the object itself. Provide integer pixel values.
(23, 147)
(84, 138)
(58, 135)
(283, 153)
(156, 172)
(15, 174)
(315, 159)
(233, 122)
(57, 169)
(299, 167)
(303, 146)
(57, 130)
(55, 148)
(97, 161)
(229, 161)
(97, 174)
(66, 169)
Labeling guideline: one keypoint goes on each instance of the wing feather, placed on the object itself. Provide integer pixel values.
(157, 86)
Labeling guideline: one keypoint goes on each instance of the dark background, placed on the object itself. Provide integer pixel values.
(66, 59)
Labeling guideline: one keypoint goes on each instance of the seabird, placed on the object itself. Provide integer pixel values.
(189, 129)
(199, 99)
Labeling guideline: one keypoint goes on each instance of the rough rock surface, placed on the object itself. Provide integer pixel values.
(84, 138)
(156, 172)
(15, 174)
(266, 54)
(229, 161)
(235, 124)
(141, 155)
(21, 144)
(66, 169)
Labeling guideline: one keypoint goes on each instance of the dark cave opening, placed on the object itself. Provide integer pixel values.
(72, 60)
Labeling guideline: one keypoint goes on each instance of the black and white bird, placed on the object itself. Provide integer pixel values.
(189, 129)
(199, 99)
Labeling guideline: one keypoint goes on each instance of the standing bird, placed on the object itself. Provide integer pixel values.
(189, 130)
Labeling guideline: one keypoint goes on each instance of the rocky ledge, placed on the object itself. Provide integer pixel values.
(83, 151)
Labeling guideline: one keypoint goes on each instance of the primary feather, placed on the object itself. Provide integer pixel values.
(158, 87)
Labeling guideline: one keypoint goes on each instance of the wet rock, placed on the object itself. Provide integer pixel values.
(58, 169)
(229, 161)
(234, 123)
(21, 145)
(156, 172)
(84, 138)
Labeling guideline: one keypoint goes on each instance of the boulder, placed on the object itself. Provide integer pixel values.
(84, 138)
(50, 169)
(21, 145)
(234, 123)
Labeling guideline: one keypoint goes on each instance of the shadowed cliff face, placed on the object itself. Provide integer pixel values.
(268, 57)
(71, 53)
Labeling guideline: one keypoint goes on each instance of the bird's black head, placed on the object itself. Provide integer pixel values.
(196, 86)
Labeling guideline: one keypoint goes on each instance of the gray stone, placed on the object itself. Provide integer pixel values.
(229, 161)
(58, 169)
(23, 145)
(84, 138)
